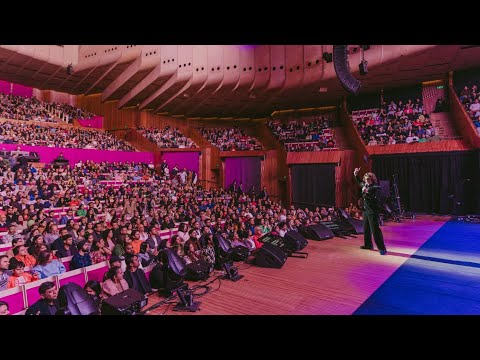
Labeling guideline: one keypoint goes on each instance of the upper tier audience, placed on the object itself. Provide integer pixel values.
(30, 108)
(307, 133)
(167, 137)
(230, 139)
(66, 137)
(470, 99)
(395, 124)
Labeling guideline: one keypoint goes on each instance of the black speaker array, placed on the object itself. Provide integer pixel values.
(342, 68)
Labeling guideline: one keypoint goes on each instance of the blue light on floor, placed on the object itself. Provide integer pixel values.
(441, 278)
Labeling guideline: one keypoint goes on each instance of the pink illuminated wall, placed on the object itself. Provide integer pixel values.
(48, 154)
(94, 123)
(5, 87)
(20, 90)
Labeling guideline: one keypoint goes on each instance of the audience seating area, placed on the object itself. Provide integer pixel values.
(395, 124)
(309, 132)
(230, 139)
(31, 133)
(125, 204)
(30, 108)
(470, 98)
(167, 138)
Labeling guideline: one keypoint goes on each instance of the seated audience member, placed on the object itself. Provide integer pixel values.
(135, 276)
(15, 242)
(257, 235)
(99, 251)
(68, 249)
(4, 308)
(94, 291)
(47, 266)
(192, 252)
(4, 272)
(48, 304)
(114, 283)
(115, 261)
(21, 254)
(19, 276)
(11, 234)
(82, 258)
(147, 254)
(208, 252)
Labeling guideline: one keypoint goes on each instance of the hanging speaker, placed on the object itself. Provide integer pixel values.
(342, 69)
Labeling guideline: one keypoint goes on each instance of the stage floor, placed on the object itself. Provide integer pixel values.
(335, 279)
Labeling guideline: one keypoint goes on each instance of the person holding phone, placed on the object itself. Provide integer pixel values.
(371, 211)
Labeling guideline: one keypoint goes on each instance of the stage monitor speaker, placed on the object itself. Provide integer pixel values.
(73, 300)
(287, 245)
(342, 68)
(270, 256)
(198, 270)
(357, 225)
(319, 232)
(128, 302)
(297, 238)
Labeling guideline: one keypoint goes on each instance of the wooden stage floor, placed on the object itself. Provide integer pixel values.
(335, 279)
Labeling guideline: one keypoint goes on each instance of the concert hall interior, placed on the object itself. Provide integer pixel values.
(239, 179)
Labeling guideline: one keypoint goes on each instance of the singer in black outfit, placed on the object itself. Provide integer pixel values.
(372, 207)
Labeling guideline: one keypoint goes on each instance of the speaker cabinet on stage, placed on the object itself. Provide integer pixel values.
(128, 302)
(270, 256)
(318, 232)
(297, 238)
(357, 225)
(198, 270)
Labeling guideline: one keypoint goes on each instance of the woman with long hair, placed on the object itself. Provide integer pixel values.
(372, 207)
(48, 266)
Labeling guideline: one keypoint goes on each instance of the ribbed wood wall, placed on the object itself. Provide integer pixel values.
(434, 146)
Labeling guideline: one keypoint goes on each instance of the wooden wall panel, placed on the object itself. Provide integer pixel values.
(435, 146)
(113, 117)
(314, 157)
(270, 177)
(345, 185)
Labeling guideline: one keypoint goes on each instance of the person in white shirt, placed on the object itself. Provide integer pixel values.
(283, 229)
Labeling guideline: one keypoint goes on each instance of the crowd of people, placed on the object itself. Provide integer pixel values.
(178, 175)
(230, 139)
(470, 98)
(396, 124)
(72, 112)
(65, 137)
(17, 107)
(121, 223)
(309, 133)
(167, 137)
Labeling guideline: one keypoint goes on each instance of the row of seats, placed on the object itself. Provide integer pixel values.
(22, 297)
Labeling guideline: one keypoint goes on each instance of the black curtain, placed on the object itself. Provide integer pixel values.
(429, 182)
(313, 184)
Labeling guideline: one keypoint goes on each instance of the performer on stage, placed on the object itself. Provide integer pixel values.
(372, 206)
